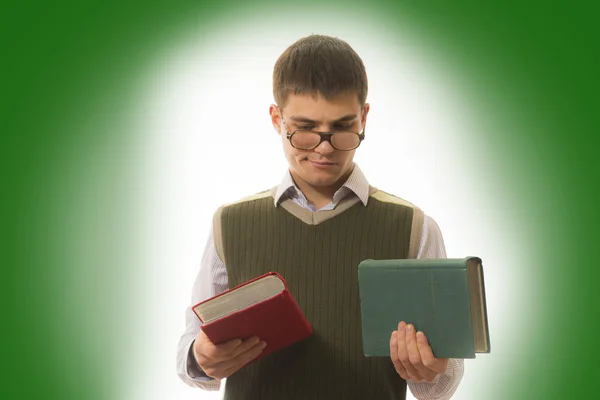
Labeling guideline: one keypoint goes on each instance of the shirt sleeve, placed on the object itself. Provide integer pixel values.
(210, 281)
(444, 385)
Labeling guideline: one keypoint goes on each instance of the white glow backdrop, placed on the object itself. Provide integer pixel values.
(206, 139)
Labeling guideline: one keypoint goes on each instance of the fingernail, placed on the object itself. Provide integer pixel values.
(420, 335)
(402, 326)
(263, 345)
(409, 328)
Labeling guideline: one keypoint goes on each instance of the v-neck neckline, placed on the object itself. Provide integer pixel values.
(317, 217)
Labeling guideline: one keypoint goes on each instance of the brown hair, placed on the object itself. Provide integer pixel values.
(319, 64)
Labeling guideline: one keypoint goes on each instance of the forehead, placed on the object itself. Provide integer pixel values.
(318, 108)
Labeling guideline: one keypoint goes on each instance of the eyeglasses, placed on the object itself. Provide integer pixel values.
(309, 140)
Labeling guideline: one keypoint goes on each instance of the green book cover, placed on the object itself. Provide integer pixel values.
(444, 298)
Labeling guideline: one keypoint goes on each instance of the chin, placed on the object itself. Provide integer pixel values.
(319, 178)
(322, 181)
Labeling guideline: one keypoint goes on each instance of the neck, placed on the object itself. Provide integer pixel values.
(319, 196)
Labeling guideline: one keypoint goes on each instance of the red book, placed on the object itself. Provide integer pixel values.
(261, 307)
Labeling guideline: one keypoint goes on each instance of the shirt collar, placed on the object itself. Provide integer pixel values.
(356, 182)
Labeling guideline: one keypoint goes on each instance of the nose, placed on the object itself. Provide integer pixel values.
(324, 148)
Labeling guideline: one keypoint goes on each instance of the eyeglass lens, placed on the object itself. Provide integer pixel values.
(310, 140)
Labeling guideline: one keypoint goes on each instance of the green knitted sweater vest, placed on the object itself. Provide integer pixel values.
(318, 255)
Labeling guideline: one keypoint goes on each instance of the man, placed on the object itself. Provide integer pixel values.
(314, 229)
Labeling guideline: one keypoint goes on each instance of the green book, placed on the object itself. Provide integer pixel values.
(443, 298)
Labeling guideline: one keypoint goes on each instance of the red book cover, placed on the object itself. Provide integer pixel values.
(278, 320)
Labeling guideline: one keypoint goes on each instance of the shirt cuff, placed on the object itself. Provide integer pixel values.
(443, 386)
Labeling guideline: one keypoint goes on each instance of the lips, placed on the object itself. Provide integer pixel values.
(322, 163)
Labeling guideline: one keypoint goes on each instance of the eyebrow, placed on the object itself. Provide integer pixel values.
(345, 118)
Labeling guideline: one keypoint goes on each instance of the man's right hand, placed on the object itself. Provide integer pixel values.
(222, 360)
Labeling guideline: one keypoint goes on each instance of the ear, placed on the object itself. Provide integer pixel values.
(366, 109)
(275, 118)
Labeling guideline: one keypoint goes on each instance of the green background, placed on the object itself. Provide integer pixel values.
(70, 75)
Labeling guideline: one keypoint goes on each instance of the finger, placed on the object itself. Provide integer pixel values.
(227, 350)
(244, 347)
(242, 359)
(437, 365)
(413, 352)
(229, 346)
(223, 369)
(394, 356)
(403, 354)
(205, 348)
(214, 371)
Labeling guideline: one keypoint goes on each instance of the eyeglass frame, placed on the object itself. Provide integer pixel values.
(325, 136)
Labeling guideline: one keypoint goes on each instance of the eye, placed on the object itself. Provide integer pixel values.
(344, 127)
(305, 127)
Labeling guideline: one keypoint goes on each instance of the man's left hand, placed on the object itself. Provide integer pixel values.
(412, 356)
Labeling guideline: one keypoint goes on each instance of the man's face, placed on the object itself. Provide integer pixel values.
(323, 166)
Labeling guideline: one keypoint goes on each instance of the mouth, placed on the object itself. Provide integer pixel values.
(321, 163)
